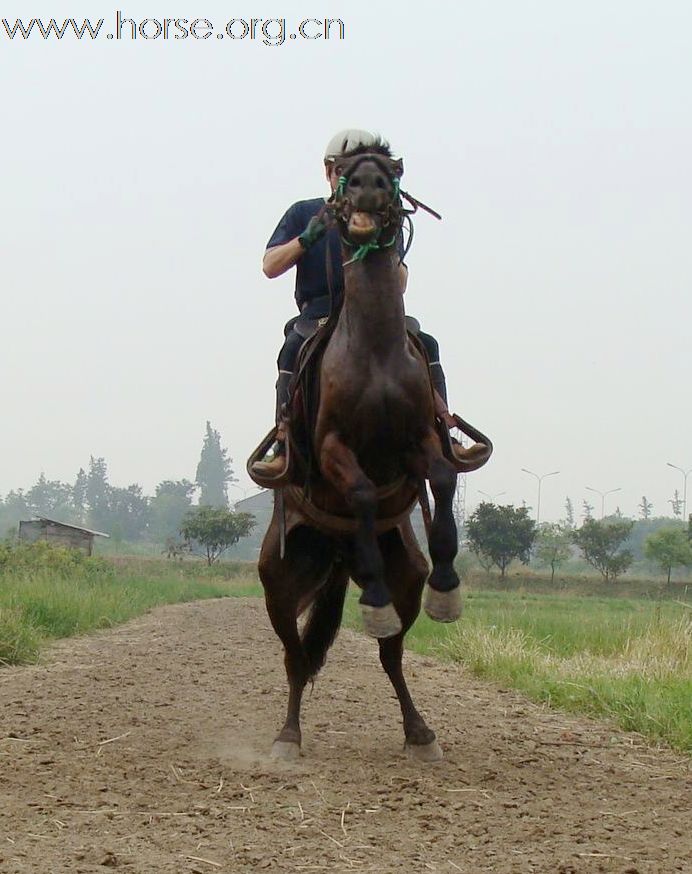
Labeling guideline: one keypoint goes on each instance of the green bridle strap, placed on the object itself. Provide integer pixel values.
(366, 248)
(363, 250)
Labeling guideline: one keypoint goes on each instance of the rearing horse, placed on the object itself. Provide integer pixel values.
(375, 444)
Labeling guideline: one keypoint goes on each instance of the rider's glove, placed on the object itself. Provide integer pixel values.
(314, 231)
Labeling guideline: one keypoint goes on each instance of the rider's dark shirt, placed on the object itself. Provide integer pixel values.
(311, 268)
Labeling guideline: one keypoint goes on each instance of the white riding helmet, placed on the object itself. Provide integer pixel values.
(347, 140)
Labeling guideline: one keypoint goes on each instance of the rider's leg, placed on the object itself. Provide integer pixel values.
(437, 376)
(273, 462)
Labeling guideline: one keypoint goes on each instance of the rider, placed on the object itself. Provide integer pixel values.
(302, 239)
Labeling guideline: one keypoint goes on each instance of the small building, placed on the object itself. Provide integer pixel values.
(58, 533)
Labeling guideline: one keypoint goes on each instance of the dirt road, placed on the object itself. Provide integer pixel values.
(145, 749)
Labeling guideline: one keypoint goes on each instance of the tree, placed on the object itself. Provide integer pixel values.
(601, 544)
(669, 547)
(49, 497)
(569, 513)
(14, 510)
(676, 504)
(645, 509)
(128, 512)
(168, 507)
(553, 546)
(79, 495)
(98, 493)
(587, 510)
(214, 529)
(501, 534)
(214, 471)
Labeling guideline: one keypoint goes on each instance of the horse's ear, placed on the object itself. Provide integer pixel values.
(398, 167)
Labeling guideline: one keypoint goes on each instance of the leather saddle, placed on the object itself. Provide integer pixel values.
(306, 384)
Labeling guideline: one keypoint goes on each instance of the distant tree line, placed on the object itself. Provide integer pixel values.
(125, 513)
(499, 535)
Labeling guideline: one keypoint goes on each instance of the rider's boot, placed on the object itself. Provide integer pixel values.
(274, 461)
(437, 376)
(461, 453)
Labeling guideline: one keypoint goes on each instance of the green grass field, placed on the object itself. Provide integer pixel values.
(47, 593)
(623, 658)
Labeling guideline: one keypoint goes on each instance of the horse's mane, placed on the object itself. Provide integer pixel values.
(379, 147)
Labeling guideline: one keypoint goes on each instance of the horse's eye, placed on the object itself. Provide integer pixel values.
(355, 180)
(380, 182)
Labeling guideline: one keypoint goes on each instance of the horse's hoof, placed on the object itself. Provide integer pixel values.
(381, 622)
(443, 606)
(431, 752)
(285, 750)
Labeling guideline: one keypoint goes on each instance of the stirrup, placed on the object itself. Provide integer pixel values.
(464, 459)
(270, 464)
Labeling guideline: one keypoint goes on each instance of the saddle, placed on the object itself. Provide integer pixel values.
(303, 403)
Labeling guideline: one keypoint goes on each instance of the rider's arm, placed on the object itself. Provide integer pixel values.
(279, 259)
(290, 240)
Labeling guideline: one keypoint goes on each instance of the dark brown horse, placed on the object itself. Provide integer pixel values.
(375, 444)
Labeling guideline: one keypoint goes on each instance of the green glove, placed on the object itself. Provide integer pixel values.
(314, 231)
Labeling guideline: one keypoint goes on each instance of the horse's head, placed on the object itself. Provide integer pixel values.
(367, 203)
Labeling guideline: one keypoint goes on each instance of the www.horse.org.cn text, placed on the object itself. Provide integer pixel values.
(264, 31)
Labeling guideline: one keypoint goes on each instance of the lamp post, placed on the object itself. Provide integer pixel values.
(490, 497)
(684, 487)
(603, 496)
(540, 480)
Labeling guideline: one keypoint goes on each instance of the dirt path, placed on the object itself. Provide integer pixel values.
(145, 749)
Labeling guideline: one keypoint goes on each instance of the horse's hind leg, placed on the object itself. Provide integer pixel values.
(406, 572)
(340, 467)
(443, 599)
(289, 584)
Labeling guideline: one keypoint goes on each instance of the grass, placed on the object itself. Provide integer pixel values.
(51, 593)
(623, 658)
(620, 658)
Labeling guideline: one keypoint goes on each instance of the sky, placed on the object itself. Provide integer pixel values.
(142, 178)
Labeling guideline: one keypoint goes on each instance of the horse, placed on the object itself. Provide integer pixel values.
(375, 443)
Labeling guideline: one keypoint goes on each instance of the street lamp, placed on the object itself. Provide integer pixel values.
(684, 487)
(490, 497)
(540, 480)
(603, 496)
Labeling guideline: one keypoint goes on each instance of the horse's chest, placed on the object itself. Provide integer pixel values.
(377, 402)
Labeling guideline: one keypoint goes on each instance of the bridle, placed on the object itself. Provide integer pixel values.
(392, 215)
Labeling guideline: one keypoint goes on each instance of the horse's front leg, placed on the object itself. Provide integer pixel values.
(443, 598)
(340, 468)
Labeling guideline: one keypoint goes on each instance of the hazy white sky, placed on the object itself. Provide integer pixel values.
(141, 180)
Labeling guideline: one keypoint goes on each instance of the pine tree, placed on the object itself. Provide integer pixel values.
(676, 504)
(214, 471)
(569, 513)
(79, 495)
(98, 493)
(645, 508)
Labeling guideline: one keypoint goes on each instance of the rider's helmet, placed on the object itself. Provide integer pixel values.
(348, 140)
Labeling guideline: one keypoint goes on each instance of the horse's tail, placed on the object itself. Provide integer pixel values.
(324, 619)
